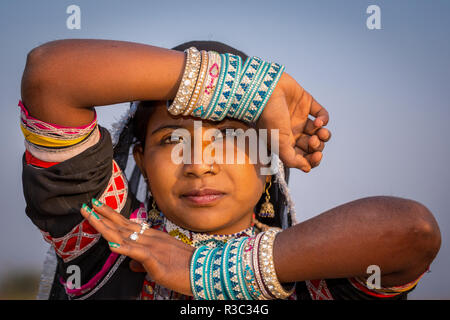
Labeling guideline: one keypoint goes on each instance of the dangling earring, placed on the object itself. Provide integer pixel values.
(267, 210)
(153, 214)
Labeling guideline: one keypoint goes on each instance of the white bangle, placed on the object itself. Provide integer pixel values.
(188, 82)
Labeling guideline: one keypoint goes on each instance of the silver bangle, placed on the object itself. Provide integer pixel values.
(188, 82)
(267, 268)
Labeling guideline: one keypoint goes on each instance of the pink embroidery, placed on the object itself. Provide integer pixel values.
(213, 76)
(34, 124)
(91, 283)
(318, 290)
(139, 215)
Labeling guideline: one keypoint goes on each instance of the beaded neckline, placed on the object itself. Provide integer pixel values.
(197, 239)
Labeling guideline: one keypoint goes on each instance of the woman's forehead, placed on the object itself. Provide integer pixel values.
(161, 117)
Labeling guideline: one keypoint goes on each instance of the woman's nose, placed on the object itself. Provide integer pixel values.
(202, 159)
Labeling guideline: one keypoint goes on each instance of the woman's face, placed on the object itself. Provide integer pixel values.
(236, 187)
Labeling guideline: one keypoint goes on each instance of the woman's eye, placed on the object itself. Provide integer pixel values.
(172, 140)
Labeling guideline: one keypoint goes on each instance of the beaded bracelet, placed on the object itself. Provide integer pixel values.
(209, 86)
(200, 82)
(207, 280)
(196, 272)
(216, 283)
(227, 263)
(248, 271)
(267, 268)
(240, 271)
(250, 69)
(259, 101)
(265, 293)
(188, 82)
(230, 84)
(219, 87)
(252, 90)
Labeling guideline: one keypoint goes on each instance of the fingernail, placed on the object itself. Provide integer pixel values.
(94, 214)
(113, 244)
(96, 202)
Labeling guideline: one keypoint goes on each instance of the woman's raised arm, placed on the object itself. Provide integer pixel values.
(64, 79)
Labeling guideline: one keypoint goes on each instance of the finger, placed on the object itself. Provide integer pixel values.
(132, 249)
(309, 144)
(310, 127)
(136, 266)
(320, 113)
(110, 213)
(290, 157)
(324, 134)
(314, 158)
(98, 224)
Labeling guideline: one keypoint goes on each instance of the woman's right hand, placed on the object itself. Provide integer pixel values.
(301, 140)
(165, 258)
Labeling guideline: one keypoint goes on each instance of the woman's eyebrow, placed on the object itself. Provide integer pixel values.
(169, 126)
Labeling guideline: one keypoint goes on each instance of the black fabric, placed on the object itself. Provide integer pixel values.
(54, 197)
(342, 289)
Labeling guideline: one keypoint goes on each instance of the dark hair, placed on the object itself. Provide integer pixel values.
(146, 108)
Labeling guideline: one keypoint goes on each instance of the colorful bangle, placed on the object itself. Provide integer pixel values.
(196, 272)
(207, 91)
(219, 87)
(265, 256)
(240, 271)
(225, 266)
(207, 274)
(252, 91)
(230, 84)
(254, 68)
(217, 288)
(200, 81)
(248, 270)
(239, 92)
(188, 82)
(265, 90)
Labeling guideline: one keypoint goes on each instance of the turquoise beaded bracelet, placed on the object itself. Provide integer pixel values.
(196, 272)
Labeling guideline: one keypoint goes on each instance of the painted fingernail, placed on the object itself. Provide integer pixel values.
(113, 244)
(94, 214)
(91, 212)
(96, 202)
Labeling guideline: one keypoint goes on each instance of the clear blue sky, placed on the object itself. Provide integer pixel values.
(387, 92)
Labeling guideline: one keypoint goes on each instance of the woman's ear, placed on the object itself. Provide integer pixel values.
(138, 154)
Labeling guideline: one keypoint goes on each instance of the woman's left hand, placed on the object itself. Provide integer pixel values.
(164, 258)
(301, 139)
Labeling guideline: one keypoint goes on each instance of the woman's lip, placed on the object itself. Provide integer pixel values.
(204, 199)
(202, 192)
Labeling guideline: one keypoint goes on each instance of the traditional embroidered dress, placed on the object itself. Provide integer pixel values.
(65, 167)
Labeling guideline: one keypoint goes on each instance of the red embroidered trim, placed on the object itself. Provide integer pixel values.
(83, 236)
(318, 290)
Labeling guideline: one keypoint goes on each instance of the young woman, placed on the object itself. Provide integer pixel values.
(197, 213)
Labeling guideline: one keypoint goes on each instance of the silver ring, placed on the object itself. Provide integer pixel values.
(134, 236)
(144, 226)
